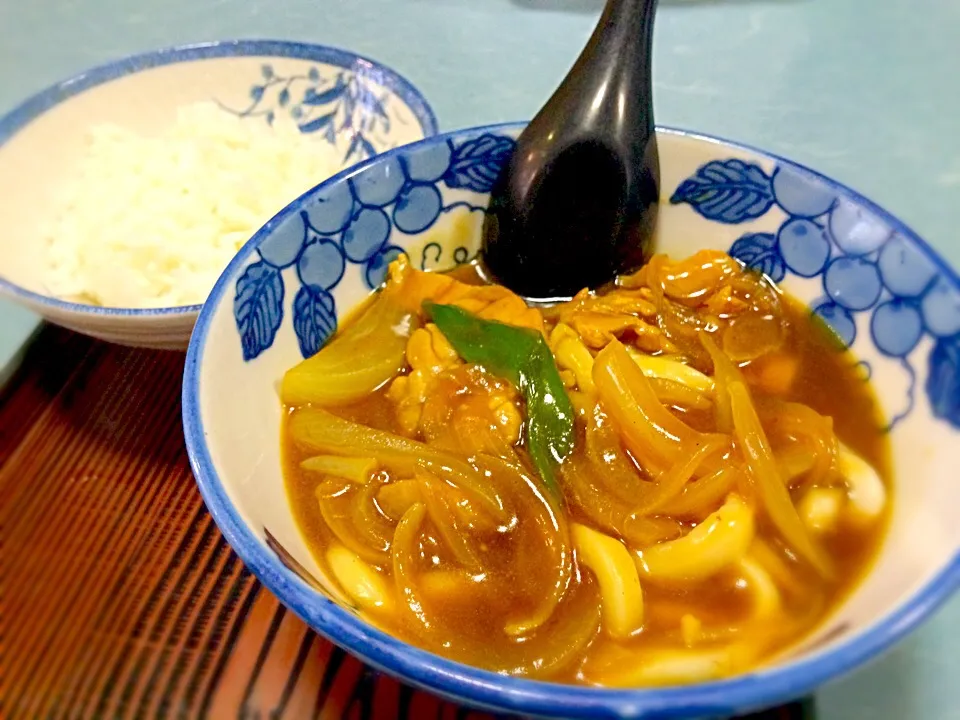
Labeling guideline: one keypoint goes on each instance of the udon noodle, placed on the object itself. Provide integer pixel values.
(666, 481)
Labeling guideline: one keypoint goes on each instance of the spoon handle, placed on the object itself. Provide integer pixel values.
(622, 43)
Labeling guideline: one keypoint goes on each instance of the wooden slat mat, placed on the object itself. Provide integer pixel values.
(119, 598)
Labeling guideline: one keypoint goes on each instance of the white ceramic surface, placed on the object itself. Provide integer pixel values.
(895, 303)
(41, 138)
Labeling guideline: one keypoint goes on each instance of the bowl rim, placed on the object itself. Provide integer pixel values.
(763, 687)
(41, 102)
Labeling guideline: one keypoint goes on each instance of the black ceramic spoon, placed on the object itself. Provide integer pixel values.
(577, 203)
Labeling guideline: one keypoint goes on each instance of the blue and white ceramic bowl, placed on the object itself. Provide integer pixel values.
(359, 105)
(894, 302)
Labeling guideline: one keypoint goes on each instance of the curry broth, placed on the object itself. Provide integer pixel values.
(827, 379)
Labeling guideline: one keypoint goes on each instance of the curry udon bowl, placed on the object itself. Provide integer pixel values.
(885, 293)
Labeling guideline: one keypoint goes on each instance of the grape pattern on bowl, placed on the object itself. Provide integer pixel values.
(365, 222)
(865, 266)
(876, 279)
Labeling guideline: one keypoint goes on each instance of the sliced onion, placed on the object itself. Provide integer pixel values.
(651, 432)
(318, 430)
(362, 356)
(773, 492)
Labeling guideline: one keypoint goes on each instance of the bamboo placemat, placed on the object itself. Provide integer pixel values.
(119, 598)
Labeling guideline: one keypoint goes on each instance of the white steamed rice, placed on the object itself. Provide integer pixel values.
(152, 221)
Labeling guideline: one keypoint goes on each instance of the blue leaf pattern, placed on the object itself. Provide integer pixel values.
(312, 97)
(476, 164)
(360, 148)
(258, 307)
(727, 191)
(344, 104)
(314, 318)
(760, 252)
(317, 124)
(354, 144)
(943, 380)
(368, 149)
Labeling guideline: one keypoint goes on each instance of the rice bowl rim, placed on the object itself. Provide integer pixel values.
(35, 106)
